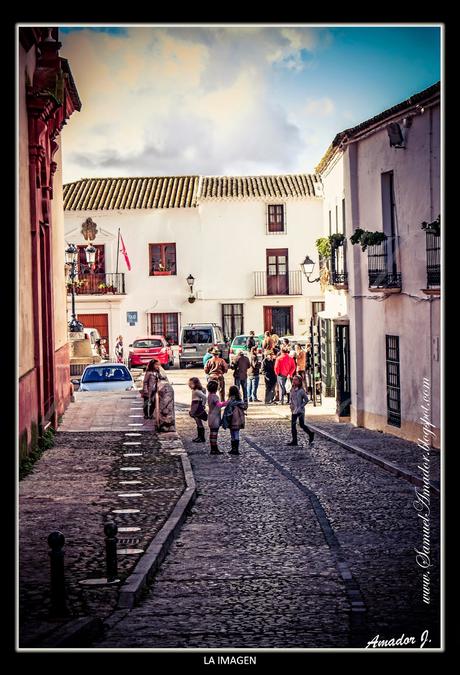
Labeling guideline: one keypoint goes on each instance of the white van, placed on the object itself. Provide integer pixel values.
(196, 338)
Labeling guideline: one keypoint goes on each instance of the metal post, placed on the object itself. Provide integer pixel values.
(110, 530)
(73, 292)
(118, 249)
(312, 361)
(56, 541)
(74, 325)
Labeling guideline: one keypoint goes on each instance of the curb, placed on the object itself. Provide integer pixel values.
(379, 461)
(151, 560)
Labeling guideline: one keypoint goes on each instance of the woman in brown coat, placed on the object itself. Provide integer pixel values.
(150, 385)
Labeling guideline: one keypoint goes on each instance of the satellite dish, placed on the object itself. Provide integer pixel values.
(395, 135)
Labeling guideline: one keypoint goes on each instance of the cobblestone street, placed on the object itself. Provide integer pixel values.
(105, 460)
(287, 547)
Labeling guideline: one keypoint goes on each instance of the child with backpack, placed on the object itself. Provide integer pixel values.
(233, 417)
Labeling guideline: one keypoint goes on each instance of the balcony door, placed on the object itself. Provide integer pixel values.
(278, 320)
(277, 271)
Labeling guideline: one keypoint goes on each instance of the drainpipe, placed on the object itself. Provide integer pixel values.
(356, 304)
(430, 304)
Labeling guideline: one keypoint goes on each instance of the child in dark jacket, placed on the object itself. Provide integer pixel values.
(233, 418)
(297, 402)
(214, 417)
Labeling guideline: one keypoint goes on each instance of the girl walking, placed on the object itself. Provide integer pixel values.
(197, 408)
(298, 401)
(233, 418)
(214, 417)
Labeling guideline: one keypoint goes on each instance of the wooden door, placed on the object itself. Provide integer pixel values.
(277, 271)
(100, 322)
(278, 320)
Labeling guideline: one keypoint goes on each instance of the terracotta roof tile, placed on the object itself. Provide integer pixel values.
(160, 192)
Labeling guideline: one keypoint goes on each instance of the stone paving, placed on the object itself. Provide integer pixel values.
(285, 547)
(307, 547)
(403, 453)
(75, 487)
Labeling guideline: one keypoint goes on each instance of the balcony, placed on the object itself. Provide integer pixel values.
(99, 284)
(338, 266)
(433, 264)
(278, 284)
(383, 267)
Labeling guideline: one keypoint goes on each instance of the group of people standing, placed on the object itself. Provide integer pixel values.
(284, 370)
(232, 418)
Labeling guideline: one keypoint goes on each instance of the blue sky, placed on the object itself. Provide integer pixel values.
(232, 99)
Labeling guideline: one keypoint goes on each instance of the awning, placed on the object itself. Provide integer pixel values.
(327, 314)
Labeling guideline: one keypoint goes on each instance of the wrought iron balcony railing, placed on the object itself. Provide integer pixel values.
(338, 265)
(278, 284)
(99, 284)
(382, 265)
(433, 260)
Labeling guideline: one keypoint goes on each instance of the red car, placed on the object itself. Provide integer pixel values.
(144, 349)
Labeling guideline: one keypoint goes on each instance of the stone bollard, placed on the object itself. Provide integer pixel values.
(56, 541)
(110, 530)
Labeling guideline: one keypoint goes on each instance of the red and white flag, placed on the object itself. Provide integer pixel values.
(125, 253)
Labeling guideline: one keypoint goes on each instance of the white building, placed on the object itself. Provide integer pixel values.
(241, 238)
(384, 175)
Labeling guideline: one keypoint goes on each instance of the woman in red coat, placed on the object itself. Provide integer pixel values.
(284, 368)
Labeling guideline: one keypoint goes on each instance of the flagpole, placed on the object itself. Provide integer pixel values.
(118, 247)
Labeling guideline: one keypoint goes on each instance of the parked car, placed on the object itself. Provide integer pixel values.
(195, 340)
(106, 377)
(239, 343)
(144, 349)
(296, 339)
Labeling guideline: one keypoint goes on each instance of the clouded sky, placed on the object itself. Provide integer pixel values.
(231, 100)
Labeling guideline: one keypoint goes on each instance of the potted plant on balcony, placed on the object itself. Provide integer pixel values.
(366, 238)
(162, 270)
(324, 248)
(336, 240)
(80, 285)
(432, 228)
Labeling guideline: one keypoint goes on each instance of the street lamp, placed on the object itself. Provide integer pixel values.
(71, 258)
(90, 255)
(191, 281)
(307, 268)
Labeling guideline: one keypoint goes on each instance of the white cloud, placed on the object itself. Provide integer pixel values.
(173, 101)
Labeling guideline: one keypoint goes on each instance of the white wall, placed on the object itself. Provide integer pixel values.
(220, 242)
(416, 183)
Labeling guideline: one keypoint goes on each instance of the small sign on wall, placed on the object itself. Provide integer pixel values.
(131, 318)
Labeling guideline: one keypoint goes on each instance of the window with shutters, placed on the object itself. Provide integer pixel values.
(275, 219)
(393, 381)
(162, 259)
